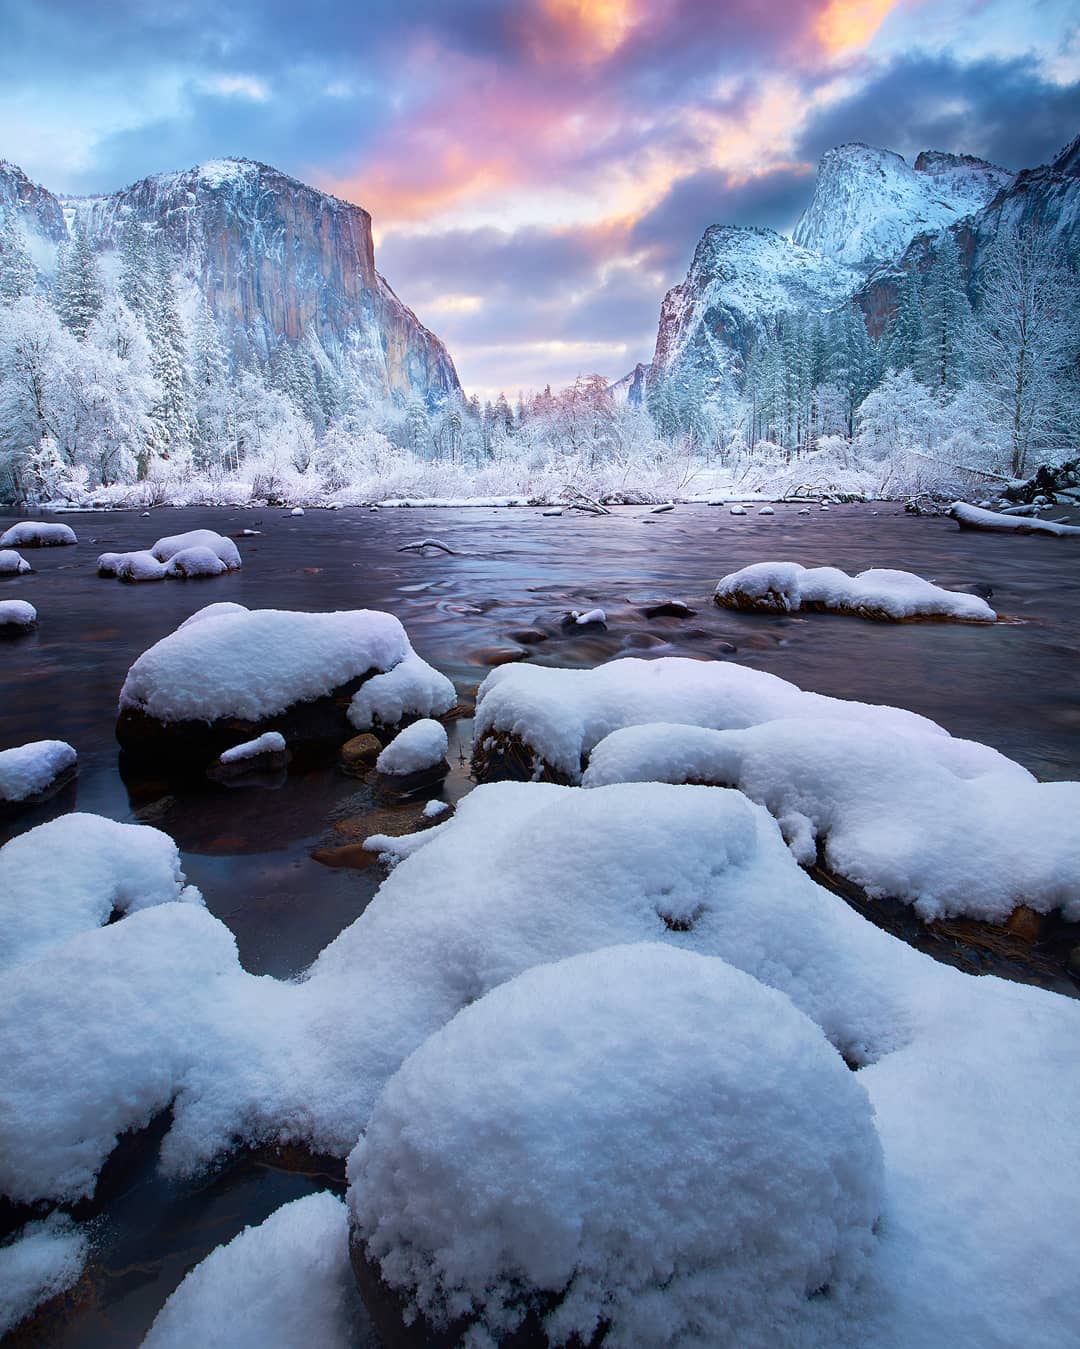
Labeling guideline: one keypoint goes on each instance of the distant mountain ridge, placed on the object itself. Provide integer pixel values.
(871, 219)
(274, 258)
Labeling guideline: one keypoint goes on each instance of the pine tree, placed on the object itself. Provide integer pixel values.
(79, 292)
(135, 268)
(940, 360)
(17, 272)
(167, 338)
(905, 338)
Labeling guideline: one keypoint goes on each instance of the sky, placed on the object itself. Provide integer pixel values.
(538, 171)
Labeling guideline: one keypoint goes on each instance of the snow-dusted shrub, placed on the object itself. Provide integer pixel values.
(639, 1141)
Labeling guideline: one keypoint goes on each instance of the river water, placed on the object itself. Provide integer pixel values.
(1012, 685)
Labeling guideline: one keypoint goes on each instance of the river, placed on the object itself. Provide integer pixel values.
(1012, 685)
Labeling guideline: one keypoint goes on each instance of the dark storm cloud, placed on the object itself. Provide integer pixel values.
(1002, 110)
(672, 228)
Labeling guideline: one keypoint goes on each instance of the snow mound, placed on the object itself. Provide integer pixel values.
(892, 813)
(421, 745)
(284, 1283)
(215, 611)
(73, 873)
(700, 868)
(411, 688)
(253, 664)
(648, 1139)
(97, 1035)
(880, 593)
(29, 769)
(13, 563)
(37, 534)
(17, 615)
(199, 561)
(560, 715)
(269, 743)
(975, 517)
(137, 566)
(224, 549)
(46, 1258)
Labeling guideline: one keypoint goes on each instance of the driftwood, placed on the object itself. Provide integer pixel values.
(418, 546)
(583, 502)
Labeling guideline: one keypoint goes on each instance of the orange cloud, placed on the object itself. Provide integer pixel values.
(844, 25)
(579, 30)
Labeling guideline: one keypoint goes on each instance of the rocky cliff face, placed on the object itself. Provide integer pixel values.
(631, 388)
(274, 258)
(35, 207)
(739, 278)
(869, 204)
(872, 218)
(1046, 199)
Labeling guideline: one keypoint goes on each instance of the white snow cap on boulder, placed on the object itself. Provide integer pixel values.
(13, 563)
(141, 565)
(166, 549)
(785, 587)
(421, 745)
(28, 769)
(562, 714)
(37, 534)
(17, 615)
(197, 561)
(957, 841)
(71, 874)
(650, 1138)
(270, 742)
(282, 1284)
(253, 664)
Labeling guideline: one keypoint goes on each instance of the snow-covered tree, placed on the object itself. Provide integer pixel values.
(17, 273)
(905, 337)
(79, 291)
(136, 280)
(170, 356)
(942, 356)
(1026, 342)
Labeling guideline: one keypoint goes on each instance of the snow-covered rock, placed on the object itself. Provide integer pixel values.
(891, 812)
(269, 743)
(974, 517)
(42, 1260)
(582, 618)
(30, 772)
(559, 716)
(13, 563)
(420, 746)
(99, 1032)
(638, 1138)
(192, 562)
(284, 1283)
(156, 1008)
(297, 510)
(880, 593)
(37, 534)
(216, 610)
(412, 687)
(202, 539)
(141, 565)
(738, 510)
(869, 204)
(16, 616)
(73, 873)
(219, 679)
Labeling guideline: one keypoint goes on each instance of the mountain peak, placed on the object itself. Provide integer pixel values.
(869, 203)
